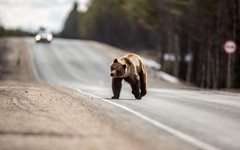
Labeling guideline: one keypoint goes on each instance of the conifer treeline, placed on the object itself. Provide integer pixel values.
(13, 32)
(191, 32)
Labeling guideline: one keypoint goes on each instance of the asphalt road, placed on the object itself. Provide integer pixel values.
(203, 119)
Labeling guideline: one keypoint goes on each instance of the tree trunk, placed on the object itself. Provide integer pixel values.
(216, 68)
(189, 64)
(203, 68)
(208, 79)
(177, 54)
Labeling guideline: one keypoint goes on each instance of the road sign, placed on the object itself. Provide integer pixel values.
(230, 47)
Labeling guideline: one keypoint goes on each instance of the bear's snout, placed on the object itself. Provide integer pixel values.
(111, 74)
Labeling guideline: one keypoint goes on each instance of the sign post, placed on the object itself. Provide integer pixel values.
(230, 47)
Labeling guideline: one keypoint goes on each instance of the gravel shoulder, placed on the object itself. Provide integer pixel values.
(15, 64)
(39, 116)
(36, 115)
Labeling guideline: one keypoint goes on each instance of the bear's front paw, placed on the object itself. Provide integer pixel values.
(115, 97)
(143, 93)
(138, 97)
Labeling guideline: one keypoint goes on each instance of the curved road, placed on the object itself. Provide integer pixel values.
(204, 119)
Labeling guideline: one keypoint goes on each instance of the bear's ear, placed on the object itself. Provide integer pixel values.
(115, 60)
(127, 60)
(124, 66)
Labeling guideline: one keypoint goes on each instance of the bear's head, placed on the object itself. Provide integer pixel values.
(118, 69)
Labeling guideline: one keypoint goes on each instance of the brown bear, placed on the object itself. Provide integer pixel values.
(130, 68)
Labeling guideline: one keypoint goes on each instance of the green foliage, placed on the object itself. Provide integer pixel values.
(2, 31)
(70, 29)
(207, 7)
(13, 32)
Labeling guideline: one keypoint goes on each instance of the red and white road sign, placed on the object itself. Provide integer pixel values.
(230, 47)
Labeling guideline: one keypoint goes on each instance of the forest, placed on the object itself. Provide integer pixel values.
(13, 32)
(186, 36)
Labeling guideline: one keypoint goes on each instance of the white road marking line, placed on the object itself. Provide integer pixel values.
(33, 66)
(175, 132)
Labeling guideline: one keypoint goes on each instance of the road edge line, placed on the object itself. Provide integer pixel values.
(168, 129)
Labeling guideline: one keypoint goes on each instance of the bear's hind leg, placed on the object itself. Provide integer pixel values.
(135, 84)
(143, 82)
(116, 87)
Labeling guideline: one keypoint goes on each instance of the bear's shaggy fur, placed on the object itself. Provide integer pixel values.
(131, 69)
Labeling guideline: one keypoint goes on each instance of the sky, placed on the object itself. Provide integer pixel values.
(31, 14)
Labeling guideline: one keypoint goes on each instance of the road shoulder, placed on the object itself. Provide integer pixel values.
(36, 115)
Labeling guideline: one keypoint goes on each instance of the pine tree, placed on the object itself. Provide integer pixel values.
(70, 29)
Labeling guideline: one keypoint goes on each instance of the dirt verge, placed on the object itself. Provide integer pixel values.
(15, 62)
(36, 115)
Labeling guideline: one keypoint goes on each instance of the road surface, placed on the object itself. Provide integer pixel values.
(193, 118)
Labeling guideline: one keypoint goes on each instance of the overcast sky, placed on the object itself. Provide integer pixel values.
(31, 14)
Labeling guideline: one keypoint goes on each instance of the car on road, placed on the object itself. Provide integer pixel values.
(43, 36)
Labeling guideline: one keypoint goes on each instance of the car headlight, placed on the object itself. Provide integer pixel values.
(49, 38)
(37, 37)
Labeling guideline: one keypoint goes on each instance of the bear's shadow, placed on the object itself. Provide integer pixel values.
(121, 99)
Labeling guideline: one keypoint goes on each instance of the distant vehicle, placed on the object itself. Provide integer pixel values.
(43, 36)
